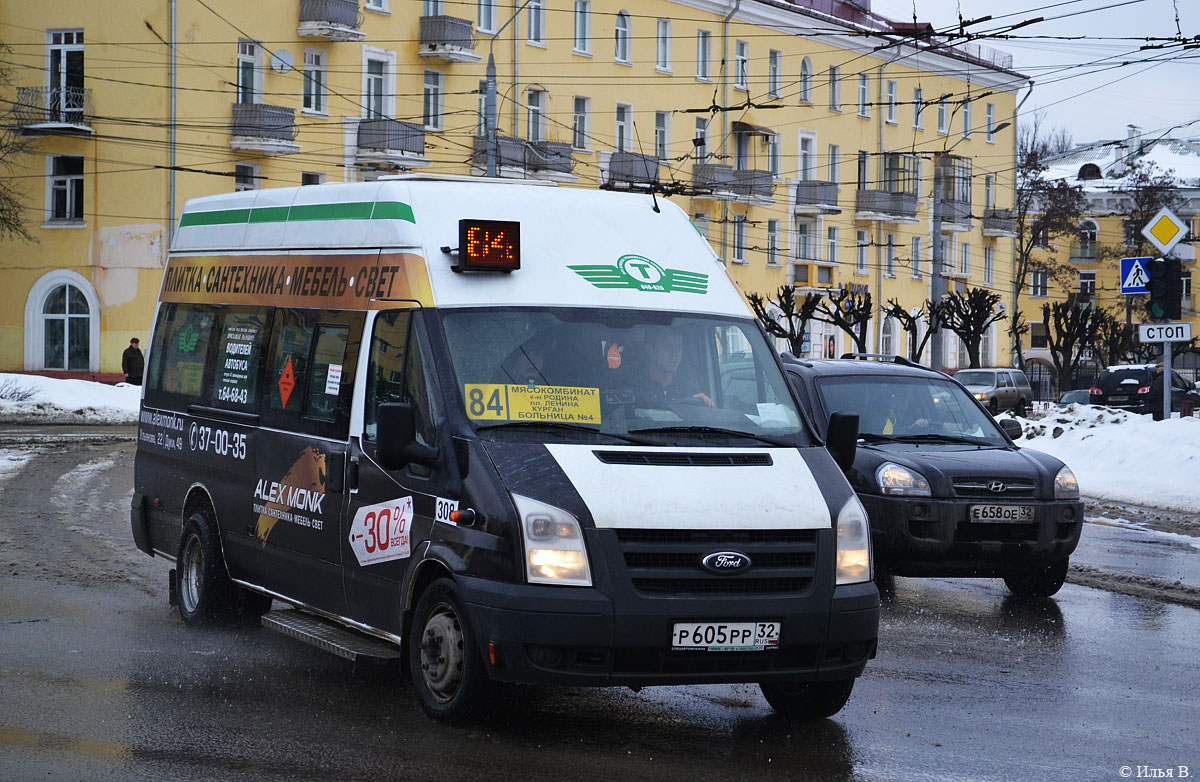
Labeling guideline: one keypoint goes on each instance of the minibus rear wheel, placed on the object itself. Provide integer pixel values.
(447, 672)
(206, 595)
(810, 701)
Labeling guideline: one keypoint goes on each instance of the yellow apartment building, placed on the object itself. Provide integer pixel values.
(801, 137)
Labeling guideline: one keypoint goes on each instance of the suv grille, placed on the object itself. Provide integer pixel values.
(981, 487)
(664, 563)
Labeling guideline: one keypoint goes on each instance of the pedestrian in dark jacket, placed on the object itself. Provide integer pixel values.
(133, 363)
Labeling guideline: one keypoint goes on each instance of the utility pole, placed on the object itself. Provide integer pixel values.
(489, 102)
(935, 278)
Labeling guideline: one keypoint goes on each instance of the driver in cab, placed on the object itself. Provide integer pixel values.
(660, 383)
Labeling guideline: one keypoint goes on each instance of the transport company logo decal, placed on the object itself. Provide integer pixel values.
(301, 492)
(641, 273)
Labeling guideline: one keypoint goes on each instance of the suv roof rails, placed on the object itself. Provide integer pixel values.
(895, 359)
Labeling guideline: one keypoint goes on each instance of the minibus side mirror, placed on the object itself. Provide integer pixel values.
(842, 439)
(1011, 427)
(396, 435)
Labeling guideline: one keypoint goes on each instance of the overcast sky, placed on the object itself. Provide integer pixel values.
(1152, 96)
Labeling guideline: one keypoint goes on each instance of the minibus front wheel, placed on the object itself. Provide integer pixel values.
(447, 671)
(810, 701)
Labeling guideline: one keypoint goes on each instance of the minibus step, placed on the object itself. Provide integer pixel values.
(329, 636)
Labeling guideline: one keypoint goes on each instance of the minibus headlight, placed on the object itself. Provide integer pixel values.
(854, 562)
(896, 479)
(1065, 485)
(554, 549)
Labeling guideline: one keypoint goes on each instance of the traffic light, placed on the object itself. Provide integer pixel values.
(1165, 287)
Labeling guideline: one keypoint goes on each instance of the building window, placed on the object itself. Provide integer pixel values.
(889, 256)
(900, 173)
(249, 86)
(860, 255)
(703, 54)
(64, 202)
(989, 264)
(536, 102)
(580, 122)
(741, 65)
(1039, 283)
(834, 165)
(964, 259)
(65, 76)
(806, 158)
(772, 242)
(773, 154)
(66, 329)
(377, 5)
(537, 21)
(624, 134)
(662, 48)
(432, 105)
(915, 262)
(918, 108)
(662, 135)
(804, 248)
(741, 152)
(700, 220)
(375, 92)
(863, 172)
(835, 88)
(431, 8)
(966, 119)
(700, 140)
(245, 177)
(989, 118)
(1038, 336)
(943, 115)
(314, 81)
(583, 26)
(775, 74)
(864, 89)
(621, 40)
(989, 191)
(1087, 285)
(831, 244)
(739, 239)
(311, 178)
(487, 15)
(891, 102)
(887, 337)
(805, 81)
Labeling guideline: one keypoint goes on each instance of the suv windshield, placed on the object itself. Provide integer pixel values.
(976, 377)
(619, 372)
(910, 408)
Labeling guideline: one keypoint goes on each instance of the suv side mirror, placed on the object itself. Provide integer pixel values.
(1011, 427)
(842, 439)
(396, 433)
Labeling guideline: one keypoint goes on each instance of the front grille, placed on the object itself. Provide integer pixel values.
(678, 459)
(664, 563)
(979, 487)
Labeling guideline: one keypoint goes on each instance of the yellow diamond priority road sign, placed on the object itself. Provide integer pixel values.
(1165, 230)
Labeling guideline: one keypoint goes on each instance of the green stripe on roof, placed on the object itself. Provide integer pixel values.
(356, 210)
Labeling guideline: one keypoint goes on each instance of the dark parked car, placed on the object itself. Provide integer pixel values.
(946, 490)
(1127, 386)
(1078, 396)
(998, 388)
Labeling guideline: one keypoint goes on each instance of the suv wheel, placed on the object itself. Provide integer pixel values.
(1039, 582)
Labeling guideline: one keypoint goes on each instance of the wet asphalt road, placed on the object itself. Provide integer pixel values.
(100, 680)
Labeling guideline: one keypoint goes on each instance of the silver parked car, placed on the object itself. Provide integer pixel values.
(998, 388)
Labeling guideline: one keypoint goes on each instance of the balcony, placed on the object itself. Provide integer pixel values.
(754, 186)
(333, 20)
(956, 215)
(510, 156)
(884, 206)
(258, 127)
(53, 110)
(1084, 252)
(813, 197)
(713, 180)
(448, 38)
(999, 222)
(382, 140)
(630, 168)
(550, 160)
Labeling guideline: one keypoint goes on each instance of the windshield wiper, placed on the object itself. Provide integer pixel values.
(941, 438)
(871, 437)
(563, 425)
(716, 430)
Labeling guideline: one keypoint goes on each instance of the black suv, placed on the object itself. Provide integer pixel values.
(946, 490)
(1127, 386)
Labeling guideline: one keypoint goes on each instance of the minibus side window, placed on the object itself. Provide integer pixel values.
(180, 357)
(397, 374)
(244, 332)
(325, 376)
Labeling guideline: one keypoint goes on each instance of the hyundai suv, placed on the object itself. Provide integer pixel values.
(946, 490)
(1127, 386)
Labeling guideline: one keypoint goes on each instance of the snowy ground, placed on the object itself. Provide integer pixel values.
(54, 401)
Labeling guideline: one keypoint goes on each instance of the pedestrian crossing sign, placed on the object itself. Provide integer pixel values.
(1134, 275)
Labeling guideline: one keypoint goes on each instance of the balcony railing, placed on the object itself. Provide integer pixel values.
(390, 140)
(259, 127)
(53, 108)
(549, 156)
(889, 206)
(1083, 251)
(712, 178)
(448, 38)
(812, 195)
(632, 168)
(753, 183)
(510, 152)
(956, 212)
(336, 20)
(999, 222)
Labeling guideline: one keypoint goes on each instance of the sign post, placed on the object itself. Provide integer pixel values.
(1164, 231)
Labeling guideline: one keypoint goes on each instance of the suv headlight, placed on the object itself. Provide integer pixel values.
(854, 562)
(554, 550)
(896, 479)
(1065, 485)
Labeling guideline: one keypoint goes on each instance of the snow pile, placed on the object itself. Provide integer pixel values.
(31, 399)
(1123, 456)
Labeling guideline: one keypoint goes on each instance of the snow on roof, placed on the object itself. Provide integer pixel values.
(1168, 155)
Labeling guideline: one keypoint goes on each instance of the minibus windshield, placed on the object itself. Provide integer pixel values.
(620, 372)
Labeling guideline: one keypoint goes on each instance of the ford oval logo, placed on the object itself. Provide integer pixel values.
(725, 563)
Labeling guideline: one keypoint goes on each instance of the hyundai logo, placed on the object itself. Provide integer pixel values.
(997, 486)
(725, 562)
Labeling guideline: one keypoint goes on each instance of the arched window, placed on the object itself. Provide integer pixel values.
(62, 324)
(805, 81)
(1089, 171)
(887, 339)
(1088, 231)
(622, 37)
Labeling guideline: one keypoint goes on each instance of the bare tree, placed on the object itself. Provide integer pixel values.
(1114, 337)
(1033, 140)
(12, 147)
(850, 312)
(969, 316)
(911, 323)
(1070, 328)
(787, 317)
